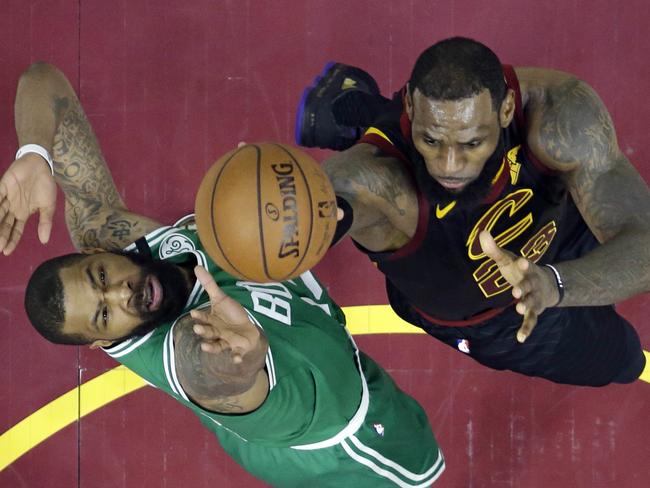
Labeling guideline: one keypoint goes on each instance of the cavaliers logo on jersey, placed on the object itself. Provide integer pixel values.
(511, 210)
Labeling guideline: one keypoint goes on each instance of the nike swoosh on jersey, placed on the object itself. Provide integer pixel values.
(441, 212)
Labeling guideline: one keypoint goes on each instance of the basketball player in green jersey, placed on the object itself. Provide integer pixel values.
(269, 368)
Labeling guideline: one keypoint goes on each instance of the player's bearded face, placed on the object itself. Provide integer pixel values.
(111, 296)
(459, 146)
(470, 195)
(158, 277)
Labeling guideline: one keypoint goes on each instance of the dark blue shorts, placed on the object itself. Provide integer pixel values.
(590, 346)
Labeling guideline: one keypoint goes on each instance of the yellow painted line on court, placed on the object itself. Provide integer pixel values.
(377, 319)
(645, 376)
(68, 408)
(119, 381)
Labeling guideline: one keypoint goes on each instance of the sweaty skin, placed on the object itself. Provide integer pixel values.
(570, 131)
(455, 138)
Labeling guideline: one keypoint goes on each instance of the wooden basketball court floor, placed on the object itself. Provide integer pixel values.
(169, 86)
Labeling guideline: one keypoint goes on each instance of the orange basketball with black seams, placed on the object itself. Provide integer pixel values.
(266, 212)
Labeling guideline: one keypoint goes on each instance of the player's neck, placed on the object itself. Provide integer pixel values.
(187, 270)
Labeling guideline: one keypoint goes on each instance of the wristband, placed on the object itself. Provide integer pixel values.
(40, 150)
(559, 282)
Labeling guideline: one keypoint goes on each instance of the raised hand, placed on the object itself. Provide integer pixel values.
(533, 286)
(26, 187)
(226, 326)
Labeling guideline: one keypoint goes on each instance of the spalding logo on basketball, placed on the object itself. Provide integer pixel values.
(266, 212)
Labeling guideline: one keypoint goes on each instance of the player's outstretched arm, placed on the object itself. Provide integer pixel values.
(48, 113)
(220, 354)
(571, 131)
(380, 193)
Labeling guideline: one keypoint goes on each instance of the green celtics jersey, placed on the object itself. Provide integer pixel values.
(317, 394)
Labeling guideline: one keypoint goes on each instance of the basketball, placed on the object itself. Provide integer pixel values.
(266, 212)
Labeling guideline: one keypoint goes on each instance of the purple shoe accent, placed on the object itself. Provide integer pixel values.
(317, 124)
(299, 115)
(299, 135)
(327, 67)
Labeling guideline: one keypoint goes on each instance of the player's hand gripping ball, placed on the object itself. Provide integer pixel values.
(266, 212)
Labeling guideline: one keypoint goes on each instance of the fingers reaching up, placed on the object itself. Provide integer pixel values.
(26, 187)
(226, 325)
(529, 283)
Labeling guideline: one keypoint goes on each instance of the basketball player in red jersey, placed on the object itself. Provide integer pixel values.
(497, 203)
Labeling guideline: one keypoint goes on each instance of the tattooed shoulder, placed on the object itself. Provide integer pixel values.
(571, 126)
(202, 374)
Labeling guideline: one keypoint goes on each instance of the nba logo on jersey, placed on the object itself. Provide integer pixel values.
(379, 428)
(463, 345)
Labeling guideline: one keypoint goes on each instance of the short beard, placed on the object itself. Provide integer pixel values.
(175, 292)
(474, 193)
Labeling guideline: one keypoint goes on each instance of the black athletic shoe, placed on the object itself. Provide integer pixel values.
(333, 111)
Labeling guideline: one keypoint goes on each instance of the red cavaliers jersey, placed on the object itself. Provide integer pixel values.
(442, 273)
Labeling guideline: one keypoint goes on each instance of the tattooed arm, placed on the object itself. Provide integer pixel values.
(381, 193)
(213, 380)
(48, 113)
(220, 354)
(571, 131)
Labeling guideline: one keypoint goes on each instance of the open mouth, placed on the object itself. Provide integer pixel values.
(152, 294)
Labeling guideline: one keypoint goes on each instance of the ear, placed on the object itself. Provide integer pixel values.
(100, 343)
(507, 110)
(408, 102)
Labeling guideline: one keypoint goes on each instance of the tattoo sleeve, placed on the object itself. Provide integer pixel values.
(95, 214)
(212, 380)
(380, 192)
(576, 135)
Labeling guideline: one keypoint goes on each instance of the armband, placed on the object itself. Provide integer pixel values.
(40, 150)
(558, 281)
